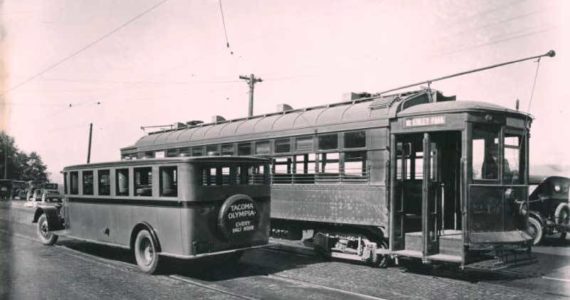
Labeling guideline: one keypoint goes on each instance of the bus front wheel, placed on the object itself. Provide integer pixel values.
(47, 238)
(146, 253)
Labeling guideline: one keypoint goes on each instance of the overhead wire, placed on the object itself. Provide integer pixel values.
(533, 84)
(225, 29)
(82, 49)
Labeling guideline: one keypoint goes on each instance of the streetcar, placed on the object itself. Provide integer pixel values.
(411, 175)
(186, 208)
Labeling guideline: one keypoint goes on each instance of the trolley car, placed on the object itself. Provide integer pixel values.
(180, 207)
(414, 175)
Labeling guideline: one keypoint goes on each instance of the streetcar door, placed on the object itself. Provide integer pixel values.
(397, 211)
(430, 197)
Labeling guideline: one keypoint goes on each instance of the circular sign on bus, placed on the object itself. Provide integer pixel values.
(238, 217)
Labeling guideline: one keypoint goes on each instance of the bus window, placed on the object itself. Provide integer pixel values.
(143, 181)
(87, 182)
(122, 182)
(512, 171)
(355, 139)
(485, 149)
(74, 183)
(168, 181)
(104, 182)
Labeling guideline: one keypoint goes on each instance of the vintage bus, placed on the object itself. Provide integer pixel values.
(179, 207)
(414, 175)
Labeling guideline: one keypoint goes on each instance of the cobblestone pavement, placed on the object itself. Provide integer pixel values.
(79, 270)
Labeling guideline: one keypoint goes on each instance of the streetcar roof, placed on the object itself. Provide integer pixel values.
(456, 106)
(167, 160)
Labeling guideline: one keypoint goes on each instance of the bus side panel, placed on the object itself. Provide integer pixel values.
(90, 221)
(122, 223)
(169, 229)
(355, 204)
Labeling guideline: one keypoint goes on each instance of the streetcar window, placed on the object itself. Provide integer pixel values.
(74, 183)
(512, 171)
(244, 149)
(148, 154)
(356, 139)
(87, 182)
(168, 181)
(355, 163)
(104, 182)
(172, 152)
(197, 151)
(143, 181)
(122, 184)
(328, 142)
(485, 149)
(329, 163)
(160, 154)
(304, 144)
(283, 146)
(227, 149)
(212, 150)
(185, 152)
(262, 148)
(282, 169)
(226, 174)
(256, 174)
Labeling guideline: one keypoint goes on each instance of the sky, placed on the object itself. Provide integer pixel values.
(125, 64)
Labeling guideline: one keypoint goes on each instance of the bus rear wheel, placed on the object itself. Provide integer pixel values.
(47, 238)
(146, 253)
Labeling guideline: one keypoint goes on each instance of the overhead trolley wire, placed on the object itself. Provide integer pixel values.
(82, 49)
(533, 84)
(225, 29)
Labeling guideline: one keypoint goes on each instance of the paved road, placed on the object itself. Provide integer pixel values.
(77, 270)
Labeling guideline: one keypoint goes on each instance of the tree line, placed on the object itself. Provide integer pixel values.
(18, 165)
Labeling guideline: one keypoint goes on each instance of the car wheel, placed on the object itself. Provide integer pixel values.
(47, 238)
(535, 230)
(146, 253)
(383, 260)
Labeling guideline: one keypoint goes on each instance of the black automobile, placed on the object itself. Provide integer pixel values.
(549, 209)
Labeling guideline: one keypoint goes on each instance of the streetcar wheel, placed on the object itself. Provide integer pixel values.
(47, 238)
(535, 230)
(145, 252)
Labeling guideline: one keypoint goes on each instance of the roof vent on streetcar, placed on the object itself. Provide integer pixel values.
(179, 125)
(353, 96)
(284, 107)
(194, 122)
(218, 119)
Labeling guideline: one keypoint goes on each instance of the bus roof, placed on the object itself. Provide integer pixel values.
(158, 161)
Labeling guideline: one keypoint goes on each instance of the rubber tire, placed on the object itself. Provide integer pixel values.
(47, 238)
(564, 210)
(145, 251)
(537, 228)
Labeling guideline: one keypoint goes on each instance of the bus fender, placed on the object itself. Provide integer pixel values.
(52, 216)
(147, 226)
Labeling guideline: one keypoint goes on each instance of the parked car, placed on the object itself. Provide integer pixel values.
(43, 195)
(549, 209)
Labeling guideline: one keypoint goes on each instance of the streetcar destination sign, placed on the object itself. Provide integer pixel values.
(424, 121)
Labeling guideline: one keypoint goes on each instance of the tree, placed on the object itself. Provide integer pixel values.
(16, 164)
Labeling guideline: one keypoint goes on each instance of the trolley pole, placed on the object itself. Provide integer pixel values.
(251, 81)
(89, 146)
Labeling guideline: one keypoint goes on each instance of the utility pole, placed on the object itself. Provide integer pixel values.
(251, 81)
(89, 147)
